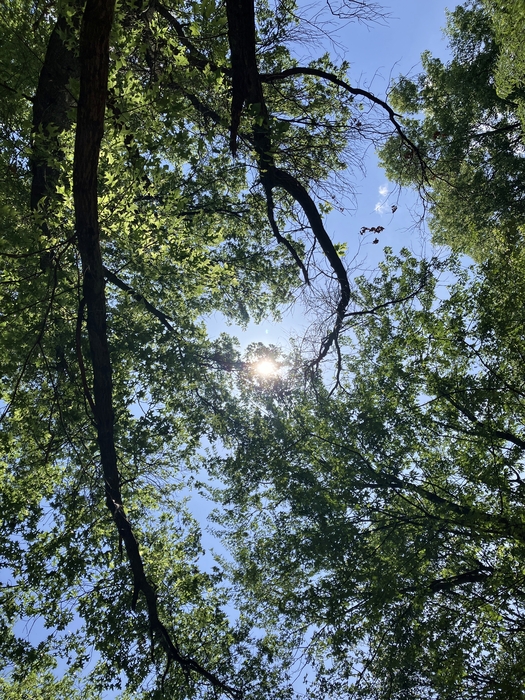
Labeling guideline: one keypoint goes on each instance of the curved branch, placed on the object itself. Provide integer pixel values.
(194, 56)
(94, 65)
(247, 89)
(290, 184)
(358, 92)
(163, 318)
(280, 238)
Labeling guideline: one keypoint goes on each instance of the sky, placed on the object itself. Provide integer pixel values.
(378, 53)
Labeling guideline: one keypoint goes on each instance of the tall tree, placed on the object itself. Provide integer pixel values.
(465, 117)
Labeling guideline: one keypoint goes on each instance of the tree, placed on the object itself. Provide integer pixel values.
(507, 18)
(155, 160)
(382, 519)
(468, 128)
(384, 522)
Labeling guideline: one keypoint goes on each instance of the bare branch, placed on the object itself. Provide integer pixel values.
(282, 239)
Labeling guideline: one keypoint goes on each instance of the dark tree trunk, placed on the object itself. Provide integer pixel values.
(52, 106)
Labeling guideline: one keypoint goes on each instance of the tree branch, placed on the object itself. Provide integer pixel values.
(195, 57)
(290, 184)
(94, 64)
(472, 516)
(163, 318)
(16, 92)
(502, 434)
(282, 239)
(358, 92)
(399, 300)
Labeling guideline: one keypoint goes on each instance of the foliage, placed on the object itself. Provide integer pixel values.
(508, 20)
(468, 130)
(384, 522)
(126, 223)
(160, 163)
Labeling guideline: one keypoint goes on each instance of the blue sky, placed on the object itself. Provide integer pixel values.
(378, 53)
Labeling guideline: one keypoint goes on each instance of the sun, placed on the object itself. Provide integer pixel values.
(265, 368)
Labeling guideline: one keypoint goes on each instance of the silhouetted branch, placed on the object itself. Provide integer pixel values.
(163, 318)
(358, 92)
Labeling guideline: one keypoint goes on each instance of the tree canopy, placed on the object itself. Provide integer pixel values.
(165, 161)
(385, 522)
(466, 119)
(160, 162)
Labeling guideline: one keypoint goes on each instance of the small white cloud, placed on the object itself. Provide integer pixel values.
(381, 208)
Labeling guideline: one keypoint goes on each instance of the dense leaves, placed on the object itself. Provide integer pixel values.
(163, 162)
(126, 222)
(468, 128)
(385, 522)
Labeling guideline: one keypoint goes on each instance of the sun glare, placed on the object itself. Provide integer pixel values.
(265, 368)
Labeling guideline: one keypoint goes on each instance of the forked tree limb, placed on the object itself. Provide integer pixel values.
(247, 90)
(246, 84)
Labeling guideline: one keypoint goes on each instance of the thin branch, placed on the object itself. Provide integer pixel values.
(35, 344)
(282, 239)
(163, 318)
(399, 300)
(17, 92)
(194, 56)
(502, 434)
(358, 92)
(387, 480)
(450, 582)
